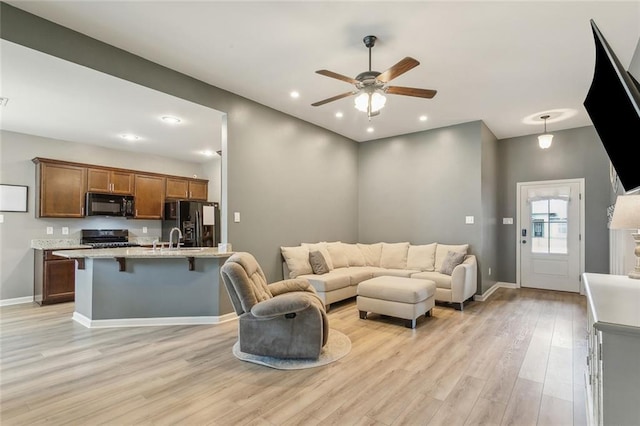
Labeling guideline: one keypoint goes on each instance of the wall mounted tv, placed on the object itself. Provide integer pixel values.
(613, 103)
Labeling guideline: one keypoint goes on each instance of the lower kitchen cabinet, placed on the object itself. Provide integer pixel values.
(613, 356)
(54, 278)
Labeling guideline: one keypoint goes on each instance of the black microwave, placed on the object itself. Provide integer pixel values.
(109, 205)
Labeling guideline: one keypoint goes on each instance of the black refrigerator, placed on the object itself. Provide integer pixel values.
(199, 222)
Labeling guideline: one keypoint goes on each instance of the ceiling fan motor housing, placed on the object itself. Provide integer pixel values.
(370, 41)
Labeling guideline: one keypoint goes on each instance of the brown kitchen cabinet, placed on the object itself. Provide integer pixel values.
(187, 189)
(54, 278)
(60, 189)
(110, 181)
(149, 193)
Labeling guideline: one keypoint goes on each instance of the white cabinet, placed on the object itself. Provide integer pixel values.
(613, 357)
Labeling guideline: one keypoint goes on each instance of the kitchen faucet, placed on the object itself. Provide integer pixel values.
(171, 238)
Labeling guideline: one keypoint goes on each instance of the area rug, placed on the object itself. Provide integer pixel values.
(338, 345)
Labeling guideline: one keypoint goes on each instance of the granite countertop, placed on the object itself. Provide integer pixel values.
(142, 252)
(57, 244)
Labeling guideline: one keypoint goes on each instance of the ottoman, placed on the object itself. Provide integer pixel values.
(405, 298)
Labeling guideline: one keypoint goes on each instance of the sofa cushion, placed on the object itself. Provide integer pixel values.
(334, 280)
(422, 257)
(297, 259)
(452, 260)
(394, 255)
(443, 249)
(354, 255)
(322, 248)
(318, 263)
(357, 274)
(371, 253)
(387, 272)
(338, 255)
(441, 280)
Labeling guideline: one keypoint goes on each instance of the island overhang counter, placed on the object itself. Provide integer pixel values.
(142, 286)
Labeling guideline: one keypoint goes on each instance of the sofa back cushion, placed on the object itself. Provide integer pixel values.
(297, 260)
(394, 256)
(338, 255)
(371, 253)
(322, 248)
(443, 249)
(422, 257)
(354, 255)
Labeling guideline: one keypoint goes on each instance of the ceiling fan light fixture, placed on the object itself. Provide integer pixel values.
(545, 139)
(376, 100)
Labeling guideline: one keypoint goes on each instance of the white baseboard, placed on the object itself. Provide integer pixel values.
(484, 296)
(146, 322)
(16, 301)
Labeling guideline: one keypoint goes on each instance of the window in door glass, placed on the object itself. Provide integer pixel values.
(549, 226)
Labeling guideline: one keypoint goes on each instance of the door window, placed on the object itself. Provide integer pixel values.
(549, 226)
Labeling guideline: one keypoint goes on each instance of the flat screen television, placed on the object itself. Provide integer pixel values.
(613, 104)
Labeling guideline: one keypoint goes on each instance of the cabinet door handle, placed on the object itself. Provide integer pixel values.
(136, 212)
(82, 212)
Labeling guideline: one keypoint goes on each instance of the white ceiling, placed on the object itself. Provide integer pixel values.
(501, 62)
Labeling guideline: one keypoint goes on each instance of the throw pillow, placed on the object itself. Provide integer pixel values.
(318, 263)
(443, 249)
(322, 248)
(453, 259)
(297, 259)
(338, 255)
(422, 257)
(394, 256)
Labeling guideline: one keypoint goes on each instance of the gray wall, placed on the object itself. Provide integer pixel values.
(18, 229)
(488, 263)
(575, 153)
(419, 188)
(290, 180)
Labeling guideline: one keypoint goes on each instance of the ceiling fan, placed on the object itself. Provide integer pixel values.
(370, 86)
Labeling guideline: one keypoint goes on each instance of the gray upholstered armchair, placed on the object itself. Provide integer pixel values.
(285, 319)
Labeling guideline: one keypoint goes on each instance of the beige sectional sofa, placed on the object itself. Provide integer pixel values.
(346, 265)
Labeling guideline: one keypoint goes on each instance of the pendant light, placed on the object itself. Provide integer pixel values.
(544, 140)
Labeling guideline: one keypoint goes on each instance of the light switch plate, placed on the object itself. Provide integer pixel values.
(49, 230)
(144, 229)
(469, 220)
(65, 230)
(507, 221)
(236, 217)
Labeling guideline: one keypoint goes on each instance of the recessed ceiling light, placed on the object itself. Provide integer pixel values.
(423, 118)
(370, 129)
(294, 95)
(339, 114)
(129, 137)
(170, 119)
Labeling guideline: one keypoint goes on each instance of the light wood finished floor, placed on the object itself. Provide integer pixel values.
(516, 359)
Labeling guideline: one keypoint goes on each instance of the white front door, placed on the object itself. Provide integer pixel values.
(550, 234)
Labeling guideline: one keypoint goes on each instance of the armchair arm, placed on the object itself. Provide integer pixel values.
(281, 305)
(287, 286)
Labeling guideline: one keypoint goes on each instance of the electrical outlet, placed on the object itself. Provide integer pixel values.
(469, 220)
(65, 230)
(144, 229)
(489, 271)
(1, 218)
(49, 230)
(236, 217)
(507, 221)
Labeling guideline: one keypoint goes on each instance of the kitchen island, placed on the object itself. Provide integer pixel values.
(143, 286)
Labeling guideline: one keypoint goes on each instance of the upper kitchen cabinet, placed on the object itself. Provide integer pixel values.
(149, 196)
(60, 189)
(110, 181)
(187, 189)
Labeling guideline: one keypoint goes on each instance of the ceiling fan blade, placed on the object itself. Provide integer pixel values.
(332, 74)
(335, 98)
(398, 69)
(411, 91)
